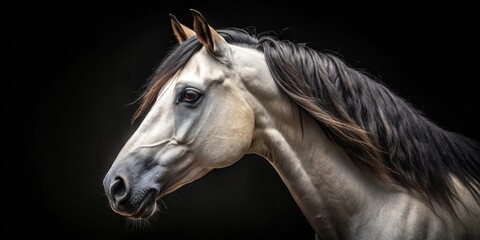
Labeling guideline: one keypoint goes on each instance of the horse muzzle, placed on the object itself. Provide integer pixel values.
(128, 197)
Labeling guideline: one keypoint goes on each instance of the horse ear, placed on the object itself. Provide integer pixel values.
(213, 42)
(181, 31)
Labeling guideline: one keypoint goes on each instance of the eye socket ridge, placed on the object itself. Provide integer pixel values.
(190, 95)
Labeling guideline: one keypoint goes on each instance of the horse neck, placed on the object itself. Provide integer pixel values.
(327, 186)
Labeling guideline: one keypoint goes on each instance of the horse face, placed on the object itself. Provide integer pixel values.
(201, 120)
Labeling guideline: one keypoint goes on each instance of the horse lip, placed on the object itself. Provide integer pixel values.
(146, 202)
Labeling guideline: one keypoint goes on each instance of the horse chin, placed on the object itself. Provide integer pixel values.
(145, 209)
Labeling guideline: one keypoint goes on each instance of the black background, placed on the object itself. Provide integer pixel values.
(70, 72)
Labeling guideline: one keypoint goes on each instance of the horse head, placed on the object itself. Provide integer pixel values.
(201, 118)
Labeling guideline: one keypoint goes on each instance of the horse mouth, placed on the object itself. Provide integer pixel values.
(147, 206)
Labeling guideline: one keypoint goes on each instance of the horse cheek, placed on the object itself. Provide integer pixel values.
(230, 139)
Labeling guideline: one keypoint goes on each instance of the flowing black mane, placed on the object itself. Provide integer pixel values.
(383, 134)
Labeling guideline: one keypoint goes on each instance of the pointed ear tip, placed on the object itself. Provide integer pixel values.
(172, 16)
(195, 12)
(197, 16)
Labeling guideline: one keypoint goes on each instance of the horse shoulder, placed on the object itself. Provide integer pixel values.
(468, 211)
(402, 216)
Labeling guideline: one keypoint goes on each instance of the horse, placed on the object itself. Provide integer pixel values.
(360, 161)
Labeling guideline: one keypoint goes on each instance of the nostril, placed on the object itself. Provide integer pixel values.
(119, 189)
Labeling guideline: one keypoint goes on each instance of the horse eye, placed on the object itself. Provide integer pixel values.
(190, 95)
